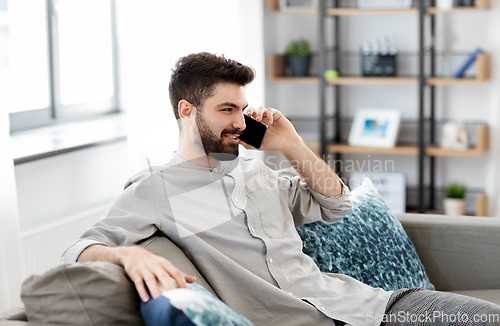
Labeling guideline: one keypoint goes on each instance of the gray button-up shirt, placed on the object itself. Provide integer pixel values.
(236, 222)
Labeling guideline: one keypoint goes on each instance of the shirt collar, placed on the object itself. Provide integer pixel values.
(225, 166)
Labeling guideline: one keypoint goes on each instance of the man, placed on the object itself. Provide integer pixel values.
(233, 217)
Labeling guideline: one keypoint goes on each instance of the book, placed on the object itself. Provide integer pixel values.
(466, 64)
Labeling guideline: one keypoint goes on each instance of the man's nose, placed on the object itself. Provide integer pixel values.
(240, 122)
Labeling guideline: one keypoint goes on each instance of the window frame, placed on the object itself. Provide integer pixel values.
(56, 112)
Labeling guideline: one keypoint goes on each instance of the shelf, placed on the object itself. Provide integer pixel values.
(483, 69)
(273, 7)
(373, 81)
(277, 64)
(347, 149)
(480, 5)
(361, 11)
(481, 207)
(480, 148)
(276, 71)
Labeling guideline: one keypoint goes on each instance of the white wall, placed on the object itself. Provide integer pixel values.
(58, 187)
(456, 31)
(153, 35)
(11, 269)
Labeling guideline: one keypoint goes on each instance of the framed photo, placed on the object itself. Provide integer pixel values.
(291, 5)
(375, 128)
(381, 4)
(454, 136)
(390, 185)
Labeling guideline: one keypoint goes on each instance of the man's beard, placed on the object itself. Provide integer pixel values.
(214, 145)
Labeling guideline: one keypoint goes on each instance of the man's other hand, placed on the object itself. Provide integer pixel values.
(143, 267)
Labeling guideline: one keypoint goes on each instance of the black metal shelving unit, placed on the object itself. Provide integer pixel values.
(426, 193)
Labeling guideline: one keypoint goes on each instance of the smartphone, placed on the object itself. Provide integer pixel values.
(254, 132)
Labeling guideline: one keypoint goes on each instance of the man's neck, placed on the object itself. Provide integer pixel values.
(196, 158)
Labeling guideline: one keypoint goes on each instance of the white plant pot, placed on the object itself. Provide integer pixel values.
(453, 206)
(444, 4)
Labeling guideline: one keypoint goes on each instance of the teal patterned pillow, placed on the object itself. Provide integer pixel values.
(369, 244)
(194, 306)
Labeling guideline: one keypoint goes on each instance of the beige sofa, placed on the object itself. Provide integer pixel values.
(460, 253)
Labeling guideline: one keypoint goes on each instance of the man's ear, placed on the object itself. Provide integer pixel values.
(185, 109)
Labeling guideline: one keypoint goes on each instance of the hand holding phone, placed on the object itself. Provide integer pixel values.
(254, 132)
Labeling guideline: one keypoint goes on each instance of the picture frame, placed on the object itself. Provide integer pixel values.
(384, 4)
(390, 185)
(454, 136)
(293, 5)
(375, 128)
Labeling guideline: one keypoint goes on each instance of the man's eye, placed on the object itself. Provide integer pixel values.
(227, 109)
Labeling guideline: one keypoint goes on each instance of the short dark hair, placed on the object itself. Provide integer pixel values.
(196, 75)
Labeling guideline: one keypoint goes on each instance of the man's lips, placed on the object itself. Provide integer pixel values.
(234, 138)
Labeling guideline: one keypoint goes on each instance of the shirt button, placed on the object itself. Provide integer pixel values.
(253, 230)
(290, 293)
(271, 260)
(215, 170)
(322, 308)
(235, 198)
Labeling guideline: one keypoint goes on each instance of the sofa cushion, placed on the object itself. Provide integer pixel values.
(95, 293)
(369, 244)
(487, 295)
(190, 307)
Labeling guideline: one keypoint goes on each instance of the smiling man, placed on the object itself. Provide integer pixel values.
(234, 217)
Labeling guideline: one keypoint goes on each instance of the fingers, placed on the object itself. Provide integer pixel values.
(176, 274)
(246, 145)
(261, 114)
(151, 283)
(141, 289)
(147, 271)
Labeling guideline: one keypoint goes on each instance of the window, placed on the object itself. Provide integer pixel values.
(57, 60)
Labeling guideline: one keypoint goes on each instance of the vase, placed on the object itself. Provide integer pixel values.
(299, 65)
(454, 206)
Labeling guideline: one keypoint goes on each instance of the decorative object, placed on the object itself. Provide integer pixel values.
(393, 4)
(331, 74)
(466, 64)
(465, 3)
(379, 57)
(454, 202)
(390, 185)
(375, 128)
(192, 306)
(384, 256)
(454, 136)
(444, 4)
(299, 57)
(292, 5)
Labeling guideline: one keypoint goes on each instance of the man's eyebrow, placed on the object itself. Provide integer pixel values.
(226, 104)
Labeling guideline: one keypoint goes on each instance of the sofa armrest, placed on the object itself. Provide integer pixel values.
(14, 313)
(458, 252)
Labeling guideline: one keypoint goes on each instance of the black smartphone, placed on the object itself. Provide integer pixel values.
(254, 132)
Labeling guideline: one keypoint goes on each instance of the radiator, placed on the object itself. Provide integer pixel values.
(43, 247)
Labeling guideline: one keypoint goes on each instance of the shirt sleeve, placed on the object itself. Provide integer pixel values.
(308, 205)
(132, 217)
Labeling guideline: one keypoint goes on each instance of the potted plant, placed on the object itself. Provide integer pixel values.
(299, 57)
(454, 202)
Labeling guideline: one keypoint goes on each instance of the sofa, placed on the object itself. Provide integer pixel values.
(460, 254)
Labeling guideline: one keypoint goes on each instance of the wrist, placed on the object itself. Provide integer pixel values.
(121, 254)
(293, 147)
